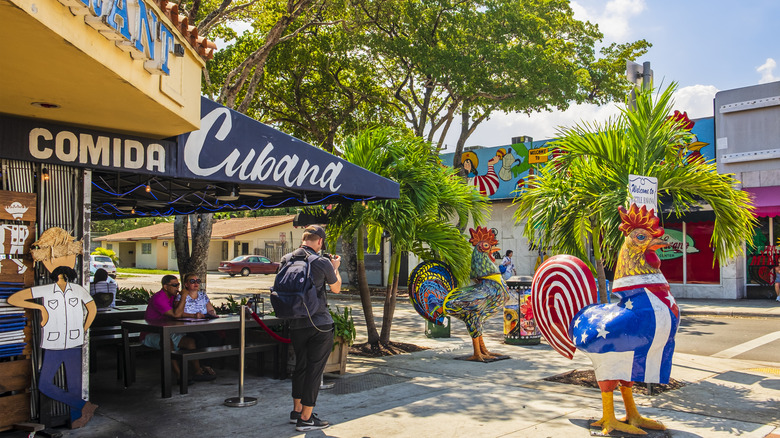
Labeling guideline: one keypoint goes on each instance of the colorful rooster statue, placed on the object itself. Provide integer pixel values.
(629, 341)
(434, 293)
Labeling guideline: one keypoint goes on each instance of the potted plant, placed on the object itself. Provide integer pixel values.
(343, 337)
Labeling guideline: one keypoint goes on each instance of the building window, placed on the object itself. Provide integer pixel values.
(689, 258)
(146, 248)
(109, 246)
(765, 253)
(173, 252)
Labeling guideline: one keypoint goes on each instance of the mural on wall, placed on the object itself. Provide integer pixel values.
(498, 171)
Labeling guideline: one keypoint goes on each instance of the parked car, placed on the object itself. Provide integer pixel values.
(100, 261)
(249, 264)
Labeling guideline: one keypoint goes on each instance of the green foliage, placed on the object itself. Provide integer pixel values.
(344, 325)
(231, 306)
(108, 253)
(134, 295)
(431, 198)
(574, 199)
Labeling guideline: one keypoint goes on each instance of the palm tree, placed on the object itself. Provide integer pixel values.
(573, 202)
(425, 220)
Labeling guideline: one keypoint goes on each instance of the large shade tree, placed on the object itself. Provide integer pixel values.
(424, 221)
(450, 60)
(572, 204)
(273, 23)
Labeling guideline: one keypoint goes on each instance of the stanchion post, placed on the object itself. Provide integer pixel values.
(241, 401)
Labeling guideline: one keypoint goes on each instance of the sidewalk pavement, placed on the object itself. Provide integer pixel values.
(431, 394)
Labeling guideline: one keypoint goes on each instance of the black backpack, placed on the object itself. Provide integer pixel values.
(294, 294)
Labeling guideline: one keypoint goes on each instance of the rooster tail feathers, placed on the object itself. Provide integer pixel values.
(429, 284)
(562, 286)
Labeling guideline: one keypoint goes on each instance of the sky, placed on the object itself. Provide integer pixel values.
(704, 46)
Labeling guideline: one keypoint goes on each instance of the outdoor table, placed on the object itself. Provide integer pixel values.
(168, 327)
(113, 316)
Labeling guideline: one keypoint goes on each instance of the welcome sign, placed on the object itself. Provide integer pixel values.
(643, 191)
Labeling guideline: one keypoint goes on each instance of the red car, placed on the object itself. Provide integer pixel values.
(249, 264)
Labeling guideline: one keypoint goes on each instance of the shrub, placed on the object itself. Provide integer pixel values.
(133, 295)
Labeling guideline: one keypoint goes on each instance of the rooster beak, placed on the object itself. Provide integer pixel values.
(657, 243)
(493, 250)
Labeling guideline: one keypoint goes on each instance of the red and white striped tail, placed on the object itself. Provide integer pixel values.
(562, 286)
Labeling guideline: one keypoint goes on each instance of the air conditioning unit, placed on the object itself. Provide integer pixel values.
(165, 243)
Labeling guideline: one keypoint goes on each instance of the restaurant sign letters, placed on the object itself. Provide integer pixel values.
(230, 147)
(262, 162)
(51, 143)
(133, 25)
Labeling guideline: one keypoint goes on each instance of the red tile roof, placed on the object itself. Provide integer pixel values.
(204, 47)
(222, 229)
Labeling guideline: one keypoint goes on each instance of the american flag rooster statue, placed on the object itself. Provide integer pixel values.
(628, 341)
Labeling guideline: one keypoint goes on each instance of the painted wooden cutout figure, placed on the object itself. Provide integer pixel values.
(434, 293)
(63, 320)
(628, 341)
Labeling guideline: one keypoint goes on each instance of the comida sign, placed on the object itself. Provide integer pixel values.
(134, 26)
(51, 143)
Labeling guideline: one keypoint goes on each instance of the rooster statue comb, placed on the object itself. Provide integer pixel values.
(434, 292)
(628, 341)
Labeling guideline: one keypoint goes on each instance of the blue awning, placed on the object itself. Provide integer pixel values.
(232, 163)
(235, 149)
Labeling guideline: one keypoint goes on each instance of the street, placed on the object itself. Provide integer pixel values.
(738, 338)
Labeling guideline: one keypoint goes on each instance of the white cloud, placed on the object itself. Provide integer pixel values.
(767, 71)
(696, 100)
(501, 127)
(613, 18)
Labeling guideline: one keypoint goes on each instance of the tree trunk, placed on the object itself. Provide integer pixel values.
(200, 235)
(602, 276)
(182, 242)
(350, 261)
(365, 294)
(390, 298)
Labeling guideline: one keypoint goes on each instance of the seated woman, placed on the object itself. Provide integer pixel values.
(102, 283)
(197, 305)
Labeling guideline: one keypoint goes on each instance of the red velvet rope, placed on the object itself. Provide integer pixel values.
(265, 327)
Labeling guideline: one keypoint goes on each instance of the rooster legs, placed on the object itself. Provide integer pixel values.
(480, 351)
(484, 349)
(632, 415)
(608, 421)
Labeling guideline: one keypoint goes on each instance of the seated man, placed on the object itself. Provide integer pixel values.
(163, 305)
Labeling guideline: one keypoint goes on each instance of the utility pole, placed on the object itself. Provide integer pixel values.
(640, 76)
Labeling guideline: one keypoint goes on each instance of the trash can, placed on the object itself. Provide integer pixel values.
(438, 331)
(519, 323)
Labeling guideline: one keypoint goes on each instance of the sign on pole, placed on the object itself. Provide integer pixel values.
(643, 191)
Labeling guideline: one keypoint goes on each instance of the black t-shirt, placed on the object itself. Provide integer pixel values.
(322, 272)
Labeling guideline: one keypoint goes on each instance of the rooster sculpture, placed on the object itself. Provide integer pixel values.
(629, 341)
(434, 291)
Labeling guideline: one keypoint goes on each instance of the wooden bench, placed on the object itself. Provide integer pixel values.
(185, 356)
(108, 336)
